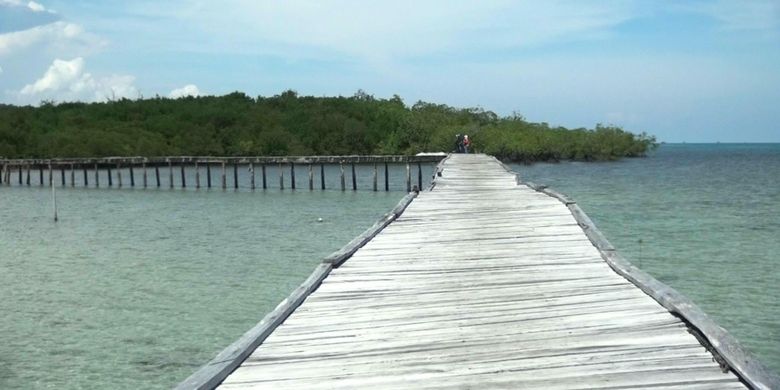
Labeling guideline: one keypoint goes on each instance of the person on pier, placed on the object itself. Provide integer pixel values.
(466, 143)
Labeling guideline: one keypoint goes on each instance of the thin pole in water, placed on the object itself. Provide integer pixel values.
(54, 202)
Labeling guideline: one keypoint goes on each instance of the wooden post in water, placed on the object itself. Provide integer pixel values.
(374, 181)
(197, 175)
(208, 175)
(157, 174)
(170, 173)
(183, 177)
(354, 178)
(132, 175)
(419, 177)
(3, 174)
(84, 171)
(51, 175)
(40, 175)
(72, 175)
(262, 168)
(281, 177)
(322, 176)
(343, 184)
(408, 178)
(62, 176)
(119, 175)
(143, 166)
(224, 176)
(252, 171)
(28, 175)
(97, 176)
(292, 175)
(311, 178)
(235, 176)
(110, 179)
(20, 175)
(387, 178)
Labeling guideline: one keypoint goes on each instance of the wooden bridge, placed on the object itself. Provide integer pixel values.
(483, 282)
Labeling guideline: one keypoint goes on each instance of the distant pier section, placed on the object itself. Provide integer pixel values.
(219, 172)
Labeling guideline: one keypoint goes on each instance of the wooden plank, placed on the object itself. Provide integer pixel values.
(480, 283)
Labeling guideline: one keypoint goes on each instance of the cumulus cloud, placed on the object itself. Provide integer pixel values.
(36, 7)
(68, 81)
(187, 90)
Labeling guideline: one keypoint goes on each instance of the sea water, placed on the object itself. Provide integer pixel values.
(704, 219)
(137, 288)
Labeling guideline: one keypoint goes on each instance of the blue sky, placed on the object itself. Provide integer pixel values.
(694, 71)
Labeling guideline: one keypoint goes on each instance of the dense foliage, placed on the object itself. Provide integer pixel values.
(288, 124)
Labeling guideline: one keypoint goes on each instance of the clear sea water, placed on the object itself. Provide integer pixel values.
(708, 217)
(137, 288)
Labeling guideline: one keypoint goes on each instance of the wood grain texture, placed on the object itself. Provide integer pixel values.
(481, 283)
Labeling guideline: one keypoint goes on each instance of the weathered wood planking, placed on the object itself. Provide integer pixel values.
(481, 283)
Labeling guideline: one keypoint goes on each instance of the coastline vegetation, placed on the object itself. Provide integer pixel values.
(289, 124)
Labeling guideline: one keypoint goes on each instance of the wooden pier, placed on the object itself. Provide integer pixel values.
(483, 282)
(64, 172)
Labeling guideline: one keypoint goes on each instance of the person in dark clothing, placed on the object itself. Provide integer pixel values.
(459, 143)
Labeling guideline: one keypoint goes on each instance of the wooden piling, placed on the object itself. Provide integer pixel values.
(419, 177)
(354, 178)
(292, 175)
(311, 178)
(408, 178)
(3, 174)
(322, 176)
(51, 175)
(97, 176)
(183, 177)
(375, 178)
(119, 175)
(62, 176)
(262, 168)
(28, 175)
(157, 175)
(387, 178)
(281, 177)
(252, 171)
(132, 176)
(110, 179)
(170, 173)
(235, 176)
(72, 175)
(86, 179)
(143, 166)
(40, 175)
(224, 176)
(343, 184)
(197, 175)
(20, 174)
(208, 175)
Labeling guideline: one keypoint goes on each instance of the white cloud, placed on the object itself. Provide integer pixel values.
(187, 90)
(60, 36)
(68, 81)
(36, 7)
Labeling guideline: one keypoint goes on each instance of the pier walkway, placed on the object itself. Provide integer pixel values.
(480, 283)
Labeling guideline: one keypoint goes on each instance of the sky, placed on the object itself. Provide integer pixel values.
(684, 71)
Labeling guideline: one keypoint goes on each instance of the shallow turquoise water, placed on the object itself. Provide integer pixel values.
(138, 288)
(708, 217)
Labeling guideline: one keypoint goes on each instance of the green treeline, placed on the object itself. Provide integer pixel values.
(288, 124)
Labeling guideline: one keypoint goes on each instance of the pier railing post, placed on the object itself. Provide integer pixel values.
(343, 183)
(408, 178)
(252, 172)
(354, 178)
(170, 173)
(311, 178)
(419, 177)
